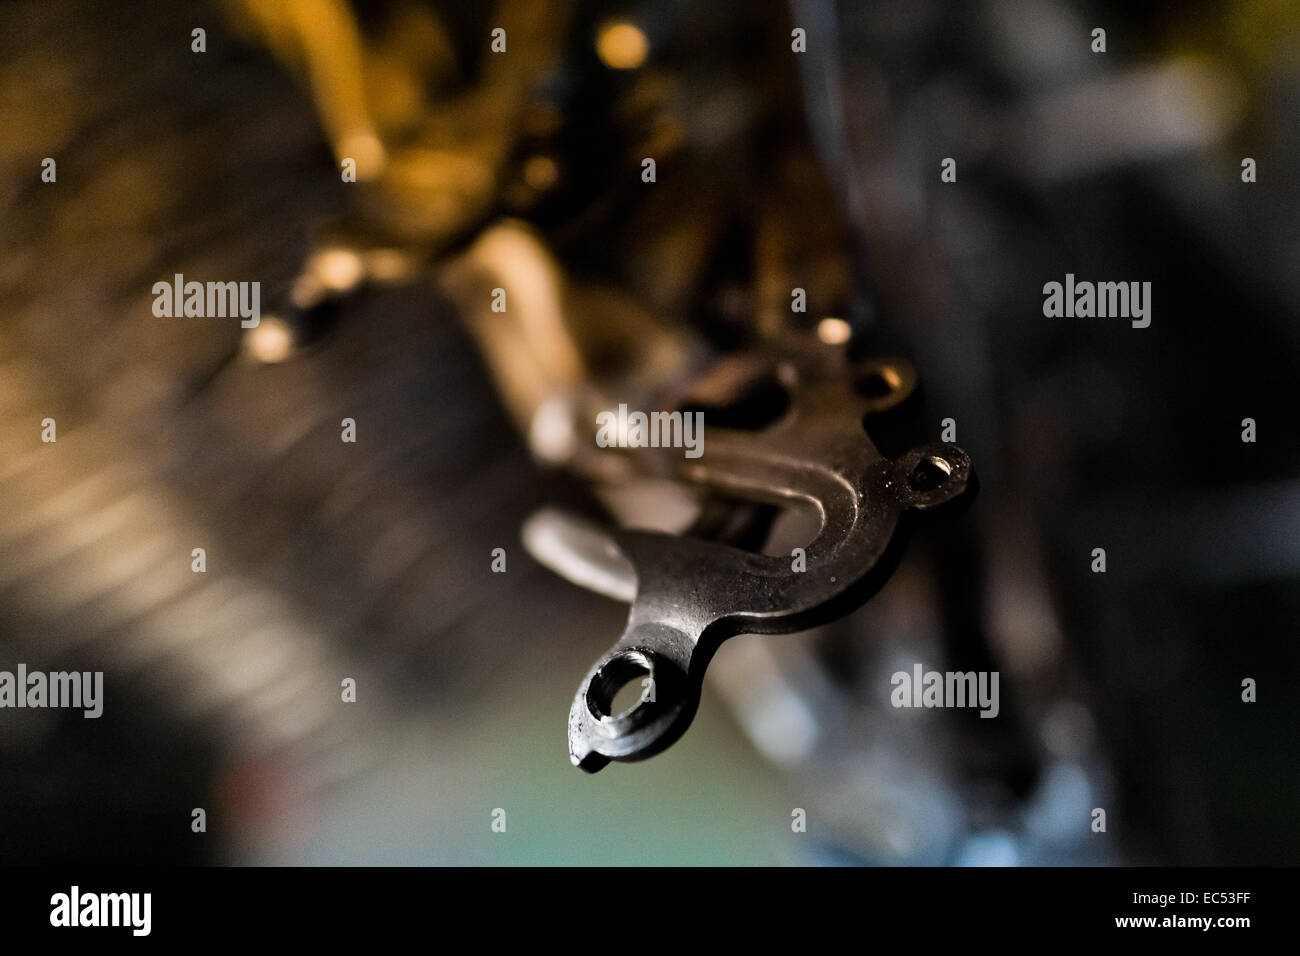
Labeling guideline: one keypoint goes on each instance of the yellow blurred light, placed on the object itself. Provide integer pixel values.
(270, 341)
(540, 173)
(834, 331)
(387, 264)
(367, 150)
(622, 46)
(338, 269)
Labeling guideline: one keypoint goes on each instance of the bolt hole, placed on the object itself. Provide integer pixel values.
(878, 382)
(930, 472)
(617, 688)
(757, 406)
(629, 695)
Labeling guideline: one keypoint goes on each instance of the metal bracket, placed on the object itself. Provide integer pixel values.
(692, 594)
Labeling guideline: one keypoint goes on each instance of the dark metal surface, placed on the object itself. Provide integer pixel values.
(692, 594)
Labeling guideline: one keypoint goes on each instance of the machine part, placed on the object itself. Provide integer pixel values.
(692, 593)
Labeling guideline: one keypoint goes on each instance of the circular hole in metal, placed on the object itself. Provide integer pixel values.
(930, 472)
(619, 687)
(757, 405)
(628, 696)
(878, 382)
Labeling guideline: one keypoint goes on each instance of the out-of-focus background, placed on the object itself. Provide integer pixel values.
(523, 169)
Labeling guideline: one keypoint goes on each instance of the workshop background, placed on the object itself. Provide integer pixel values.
(775, 170)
